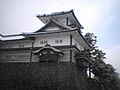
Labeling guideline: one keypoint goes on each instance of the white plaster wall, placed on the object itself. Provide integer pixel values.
(77, 43)
(15, 56)
(52, 28)
(11, 44)
(16, 44)
(63, 21)
(66, 57)
(51, 38)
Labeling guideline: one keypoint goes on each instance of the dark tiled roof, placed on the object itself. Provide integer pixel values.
(47, 46)
(62, 13)
(54, 14)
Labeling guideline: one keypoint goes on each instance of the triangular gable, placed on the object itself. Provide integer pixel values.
(60, 15)
(53, 25)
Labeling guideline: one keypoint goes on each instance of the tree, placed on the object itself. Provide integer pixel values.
(104, 72)
(91, 39)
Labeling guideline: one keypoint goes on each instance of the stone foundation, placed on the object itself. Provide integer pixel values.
(42, 76)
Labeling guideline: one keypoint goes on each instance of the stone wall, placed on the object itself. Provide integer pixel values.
(41, 76)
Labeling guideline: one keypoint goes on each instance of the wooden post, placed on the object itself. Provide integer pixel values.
(70, 55)
(70, 40)
(70, 50)
(67, 21)
(57, 57)
(31, 48)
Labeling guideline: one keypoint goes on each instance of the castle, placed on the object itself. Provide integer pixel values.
(55, 49)
(61, 32)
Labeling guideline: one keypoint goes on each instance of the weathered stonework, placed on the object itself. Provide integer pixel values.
(42, 76)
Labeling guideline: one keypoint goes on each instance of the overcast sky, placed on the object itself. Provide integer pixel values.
(101, 17)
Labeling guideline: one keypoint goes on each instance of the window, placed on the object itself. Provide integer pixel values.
(21, 46)
(58, 41)
(43, 42)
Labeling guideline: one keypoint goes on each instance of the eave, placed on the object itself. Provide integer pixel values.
(34, 34)
(84, 39)
(49, 16)
(14, 37)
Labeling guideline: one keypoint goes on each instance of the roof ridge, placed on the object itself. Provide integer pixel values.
(55, 13)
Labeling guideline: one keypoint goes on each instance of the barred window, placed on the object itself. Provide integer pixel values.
(58, 41)
(43, 42)
(21, 46)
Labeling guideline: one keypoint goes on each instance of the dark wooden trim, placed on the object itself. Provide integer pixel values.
(67, 21)
(36, 48)
(32, 49)
(70, 40)
(70, 55)
(15, 49)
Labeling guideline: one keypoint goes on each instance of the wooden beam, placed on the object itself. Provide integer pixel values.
(70, 40)
(70, 55)
(32, 49)
(67, 21)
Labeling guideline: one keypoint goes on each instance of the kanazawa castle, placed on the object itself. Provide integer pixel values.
(59, 40)
(51, 58)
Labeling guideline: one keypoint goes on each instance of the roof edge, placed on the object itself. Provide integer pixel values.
(54, 14)
(81, 27)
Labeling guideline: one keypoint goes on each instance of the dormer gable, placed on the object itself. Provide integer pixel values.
(53, 25)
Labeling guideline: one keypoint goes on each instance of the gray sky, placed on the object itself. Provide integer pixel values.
(101, 17)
